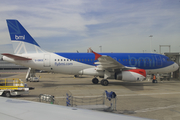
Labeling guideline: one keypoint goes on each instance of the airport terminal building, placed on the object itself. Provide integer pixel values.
(174, 56)
(10, 66)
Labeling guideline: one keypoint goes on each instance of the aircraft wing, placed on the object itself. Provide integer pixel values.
(14, 109)
(15, 57)
(107, 62)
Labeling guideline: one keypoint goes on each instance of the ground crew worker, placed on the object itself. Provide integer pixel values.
(154, 79)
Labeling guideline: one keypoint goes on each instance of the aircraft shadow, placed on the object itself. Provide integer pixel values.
(130, 85)
(25, 96)
(134, 86)
(56, 85)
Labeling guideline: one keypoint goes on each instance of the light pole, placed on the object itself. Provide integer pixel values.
(100, 49)
(151, 43)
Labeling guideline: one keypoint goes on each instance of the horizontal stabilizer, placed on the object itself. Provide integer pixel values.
(15, 57)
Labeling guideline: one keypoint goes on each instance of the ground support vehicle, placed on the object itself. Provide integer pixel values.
(13, 87)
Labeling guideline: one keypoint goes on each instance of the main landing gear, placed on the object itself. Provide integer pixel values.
(95, 80)
(104, 82)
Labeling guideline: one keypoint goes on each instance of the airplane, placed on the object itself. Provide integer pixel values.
(14, 109)
(119, 66)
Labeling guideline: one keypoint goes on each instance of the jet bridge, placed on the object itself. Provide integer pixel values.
(174, 56)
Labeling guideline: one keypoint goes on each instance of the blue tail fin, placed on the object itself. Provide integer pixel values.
(21, 39)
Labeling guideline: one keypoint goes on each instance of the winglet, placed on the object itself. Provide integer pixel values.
(96, 54)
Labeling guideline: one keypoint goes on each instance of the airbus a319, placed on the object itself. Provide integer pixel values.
(119, 66)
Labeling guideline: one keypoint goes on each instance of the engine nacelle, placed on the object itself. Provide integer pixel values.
(91, 71)
(131, 75)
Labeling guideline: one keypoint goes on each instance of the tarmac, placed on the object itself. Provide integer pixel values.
(142, 99)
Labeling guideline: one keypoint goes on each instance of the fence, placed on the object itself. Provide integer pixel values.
(105, 102)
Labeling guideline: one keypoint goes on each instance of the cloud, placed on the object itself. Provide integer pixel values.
(86, 23)
(6, 48)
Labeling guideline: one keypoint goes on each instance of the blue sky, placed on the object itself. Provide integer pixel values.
(116, 25)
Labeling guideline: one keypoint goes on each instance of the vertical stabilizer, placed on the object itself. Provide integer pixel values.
(21, 39)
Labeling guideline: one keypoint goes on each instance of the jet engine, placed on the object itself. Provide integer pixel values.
(131, 75)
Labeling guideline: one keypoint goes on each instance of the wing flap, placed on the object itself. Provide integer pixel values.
(15, 57)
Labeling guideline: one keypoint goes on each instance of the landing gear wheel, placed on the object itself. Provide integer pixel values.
(7, 94)
(104, 82)
(95, 80)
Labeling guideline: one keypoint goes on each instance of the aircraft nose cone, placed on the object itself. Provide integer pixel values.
(176, 66)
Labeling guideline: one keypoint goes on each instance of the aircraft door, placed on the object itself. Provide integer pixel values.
(47, 60)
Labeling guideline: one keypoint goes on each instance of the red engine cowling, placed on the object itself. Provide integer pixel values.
(131, 75)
